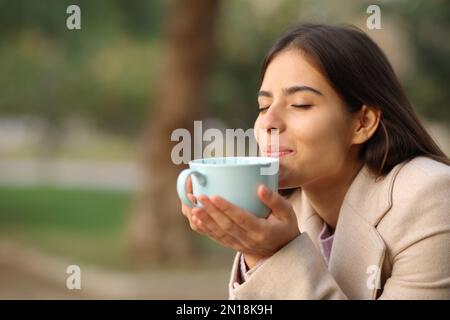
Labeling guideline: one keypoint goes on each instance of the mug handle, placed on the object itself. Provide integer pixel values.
(181, 184)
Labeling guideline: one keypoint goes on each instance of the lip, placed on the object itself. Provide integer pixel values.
(277, 154)
(280, 148)
(275, 150)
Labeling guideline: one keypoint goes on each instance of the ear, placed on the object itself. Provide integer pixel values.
(366, 122)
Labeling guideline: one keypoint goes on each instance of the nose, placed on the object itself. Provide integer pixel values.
(271, 124)
(272, 119)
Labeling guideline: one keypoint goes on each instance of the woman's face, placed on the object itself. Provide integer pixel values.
(314, 128)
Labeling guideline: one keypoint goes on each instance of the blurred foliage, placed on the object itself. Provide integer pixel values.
(428, 24)
(107, 71)
(103, 72)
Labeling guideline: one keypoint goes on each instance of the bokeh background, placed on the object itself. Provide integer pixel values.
(86, 117)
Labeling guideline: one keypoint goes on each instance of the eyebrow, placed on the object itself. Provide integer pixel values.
(290, 90)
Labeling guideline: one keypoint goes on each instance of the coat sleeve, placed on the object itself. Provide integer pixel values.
(420, 239)
(422, 271)
(296, 271)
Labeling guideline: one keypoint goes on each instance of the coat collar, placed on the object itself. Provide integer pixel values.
(368, 196)
(371, 197)
(357, 249)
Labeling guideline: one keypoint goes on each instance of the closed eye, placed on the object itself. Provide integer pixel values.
(302, 106)
(263, 109)
(298, 106)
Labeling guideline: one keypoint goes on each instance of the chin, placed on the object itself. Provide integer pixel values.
(286, 184)
(286, 178)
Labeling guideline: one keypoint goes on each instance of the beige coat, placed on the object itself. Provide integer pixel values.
(396, 230)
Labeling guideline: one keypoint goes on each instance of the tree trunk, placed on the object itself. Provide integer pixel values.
(158, 230)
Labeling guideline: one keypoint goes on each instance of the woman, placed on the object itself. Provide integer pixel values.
(364, 204)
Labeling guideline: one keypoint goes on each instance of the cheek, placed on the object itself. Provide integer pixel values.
(323, 137)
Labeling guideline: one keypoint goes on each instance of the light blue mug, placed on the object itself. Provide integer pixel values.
(235, 179)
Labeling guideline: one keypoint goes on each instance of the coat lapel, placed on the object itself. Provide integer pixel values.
(358, 250)
(308, 220)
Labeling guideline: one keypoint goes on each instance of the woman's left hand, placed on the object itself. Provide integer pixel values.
(242, 231)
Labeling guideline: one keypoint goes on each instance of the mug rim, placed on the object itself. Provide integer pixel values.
(198, 162)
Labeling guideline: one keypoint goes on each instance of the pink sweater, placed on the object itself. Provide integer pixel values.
(325, 244)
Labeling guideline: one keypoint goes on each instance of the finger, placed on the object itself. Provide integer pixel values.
(280, 207)
(200, 216)
(241, 217)
(202, 219)
(199, 227)
(189, 184)
(193, 225)
(193, 221)
(192, 198)
(222, 220)
(185, 209)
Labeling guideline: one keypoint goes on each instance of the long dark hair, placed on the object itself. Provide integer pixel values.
(361, 74)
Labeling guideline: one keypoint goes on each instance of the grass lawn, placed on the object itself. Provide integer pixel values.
(79, 224)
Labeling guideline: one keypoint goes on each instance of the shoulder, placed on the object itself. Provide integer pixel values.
(424, 168)
(416, 229)
(422, 175)
(421, 195)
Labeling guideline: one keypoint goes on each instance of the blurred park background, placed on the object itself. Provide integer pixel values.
(86, 117)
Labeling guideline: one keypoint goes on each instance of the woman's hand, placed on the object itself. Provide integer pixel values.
(186, 210)
(242, 231)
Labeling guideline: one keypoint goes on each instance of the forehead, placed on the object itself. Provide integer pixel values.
(291, 67)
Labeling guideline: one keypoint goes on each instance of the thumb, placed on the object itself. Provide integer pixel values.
(280, 207)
